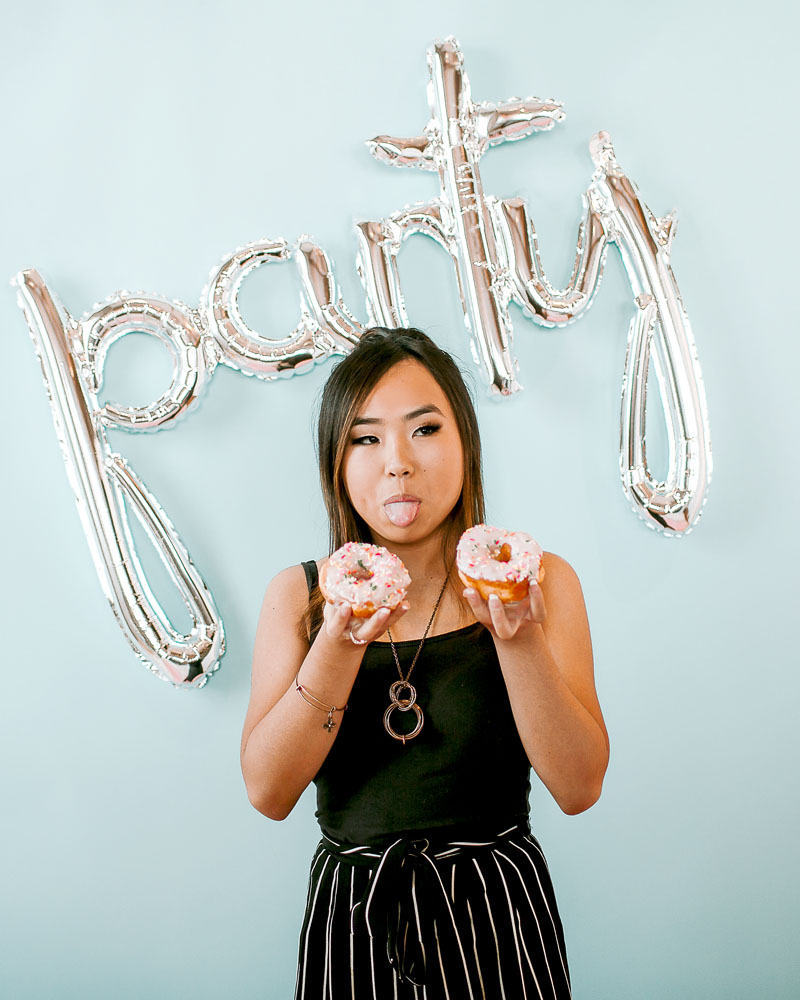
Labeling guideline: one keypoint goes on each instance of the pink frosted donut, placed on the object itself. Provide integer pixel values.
(493, 561)
(367, 577)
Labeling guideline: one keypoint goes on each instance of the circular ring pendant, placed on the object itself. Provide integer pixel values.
(403, 708)
(404, 704)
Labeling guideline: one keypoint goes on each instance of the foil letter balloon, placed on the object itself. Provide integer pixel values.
(72, 355)
(495, 252)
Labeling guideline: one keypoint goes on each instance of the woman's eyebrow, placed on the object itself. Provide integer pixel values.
(429, 408)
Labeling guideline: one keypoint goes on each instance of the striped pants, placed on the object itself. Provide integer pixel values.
(461, 920)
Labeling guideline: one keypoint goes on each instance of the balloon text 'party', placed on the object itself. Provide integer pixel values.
(495, 254)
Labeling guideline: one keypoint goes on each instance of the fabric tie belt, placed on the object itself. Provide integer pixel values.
(406, 902)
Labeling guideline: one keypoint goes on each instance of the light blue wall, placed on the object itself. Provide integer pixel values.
(145, 141)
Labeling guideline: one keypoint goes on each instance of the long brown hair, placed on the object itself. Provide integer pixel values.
(347, 388)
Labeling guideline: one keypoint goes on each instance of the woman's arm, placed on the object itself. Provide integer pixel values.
(545, 652)
(284, 741)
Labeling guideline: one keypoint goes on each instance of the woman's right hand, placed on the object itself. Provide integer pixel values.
(339, 620)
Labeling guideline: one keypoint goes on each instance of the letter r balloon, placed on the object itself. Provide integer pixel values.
(494, 248)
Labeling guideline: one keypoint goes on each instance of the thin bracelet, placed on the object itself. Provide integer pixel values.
(309, 699)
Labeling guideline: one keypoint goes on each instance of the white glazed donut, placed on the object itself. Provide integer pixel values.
(367, 577)
(493, 561)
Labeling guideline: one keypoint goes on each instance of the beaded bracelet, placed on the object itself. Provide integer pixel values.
(309, 699)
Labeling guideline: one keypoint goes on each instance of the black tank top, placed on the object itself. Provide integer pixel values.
(466, 768)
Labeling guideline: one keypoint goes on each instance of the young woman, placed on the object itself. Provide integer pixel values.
(427, 882)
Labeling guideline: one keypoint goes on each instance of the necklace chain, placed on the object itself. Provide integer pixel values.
(422, 641)
(409, 702)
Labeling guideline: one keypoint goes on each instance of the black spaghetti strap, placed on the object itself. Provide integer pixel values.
(312, 575)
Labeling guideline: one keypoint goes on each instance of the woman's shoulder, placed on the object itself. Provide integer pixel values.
(296, 568)
(561, 589)
(558, 573)
(556, 563)
(290, 585)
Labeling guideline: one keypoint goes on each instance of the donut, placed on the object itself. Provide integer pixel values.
(367, 577)
(493, 561)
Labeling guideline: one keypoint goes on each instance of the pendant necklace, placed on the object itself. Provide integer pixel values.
(403, 687)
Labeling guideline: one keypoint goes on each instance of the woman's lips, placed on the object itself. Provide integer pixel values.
(402, 512)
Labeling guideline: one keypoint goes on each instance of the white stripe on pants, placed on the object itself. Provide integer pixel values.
(460, 920)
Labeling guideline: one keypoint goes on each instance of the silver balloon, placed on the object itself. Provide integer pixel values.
(72, 357)
(614, 213)
(376, 260)
(175, 326)
(659, 329)
(334, 327)
(325, 327)
(494, 247)
(530, 289)
(241, 348)
(454, 140)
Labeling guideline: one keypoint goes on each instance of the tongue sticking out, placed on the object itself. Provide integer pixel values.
(402, 514)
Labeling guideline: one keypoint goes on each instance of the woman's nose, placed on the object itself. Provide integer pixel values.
(398, 460)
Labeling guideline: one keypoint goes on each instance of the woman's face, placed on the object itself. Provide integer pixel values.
(403, 468)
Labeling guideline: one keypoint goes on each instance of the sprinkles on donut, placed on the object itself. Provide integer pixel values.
(367, 577)
(494, 561)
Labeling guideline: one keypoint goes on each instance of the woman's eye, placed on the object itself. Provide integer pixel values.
(426, 430)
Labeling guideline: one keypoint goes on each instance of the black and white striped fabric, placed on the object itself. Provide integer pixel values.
(462, 920)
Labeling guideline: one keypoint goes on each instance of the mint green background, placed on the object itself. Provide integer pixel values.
(146, 141)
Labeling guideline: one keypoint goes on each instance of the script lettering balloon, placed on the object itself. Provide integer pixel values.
(495, 252)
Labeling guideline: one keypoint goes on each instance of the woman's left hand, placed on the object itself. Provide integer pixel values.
(504, 621)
